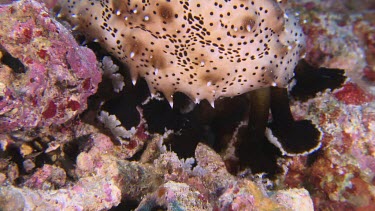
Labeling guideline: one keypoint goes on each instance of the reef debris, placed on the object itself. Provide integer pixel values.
(168, 182)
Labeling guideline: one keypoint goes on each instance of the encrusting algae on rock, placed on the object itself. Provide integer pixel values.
(46, 77)
(204, 49)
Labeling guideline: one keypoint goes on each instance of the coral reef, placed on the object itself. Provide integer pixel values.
(70, 143)
(341, 38)
(169, 182)
(96, 189)
(340, 175)
(46, 77)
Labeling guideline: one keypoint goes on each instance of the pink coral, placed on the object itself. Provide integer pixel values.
(56, 76)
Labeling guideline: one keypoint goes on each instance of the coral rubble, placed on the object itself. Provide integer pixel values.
(169, 183)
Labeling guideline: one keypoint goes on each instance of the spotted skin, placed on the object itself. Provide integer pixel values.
(205, 49)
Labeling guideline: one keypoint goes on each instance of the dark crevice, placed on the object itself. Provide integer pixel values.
(159, 208)
(187, 130)
(124, 104)
(311, 158)
(160, 116)
(126, 205)
(203, 124)
(14, 63)
(16, 157)
(73, 148)
(258, 155)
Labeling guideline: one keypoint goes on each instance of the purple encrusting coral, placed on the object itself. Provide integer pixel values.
(56, 76)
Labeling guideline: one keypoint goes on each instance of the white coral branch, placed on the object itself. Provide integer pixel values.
(110, 70)
(114, 125)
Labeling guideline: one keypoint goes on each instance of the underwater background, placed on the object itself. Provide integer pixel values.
(76, 133)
